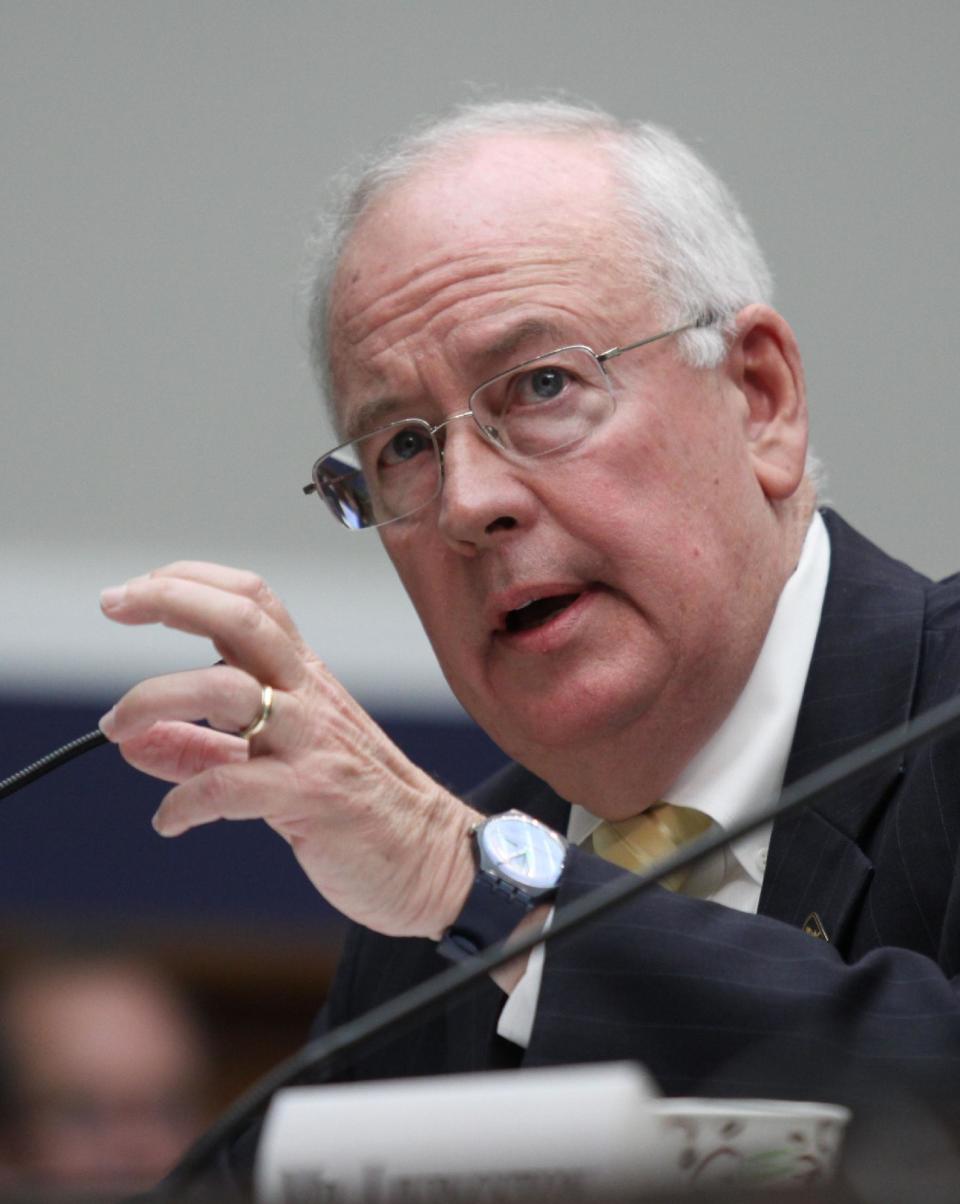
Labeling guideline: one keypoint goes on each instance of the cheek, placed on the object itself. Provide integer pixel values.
(409, 563)
(427, 580)
(659, 518)
(673, 478)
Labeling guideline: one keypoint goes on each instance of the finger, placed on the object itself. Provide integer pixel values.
(227, 791)
(176, 752)
(226, 698)
(242, 632)
(234, 581)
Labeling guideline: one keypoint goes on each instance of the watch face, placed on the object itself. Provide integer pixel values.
(523, 851)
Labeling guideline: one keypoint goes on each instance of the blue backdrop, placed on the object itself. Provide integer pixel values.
(77, 845)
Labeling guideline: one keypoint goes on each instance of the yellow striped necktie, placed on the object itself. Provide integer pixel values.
(636, 844)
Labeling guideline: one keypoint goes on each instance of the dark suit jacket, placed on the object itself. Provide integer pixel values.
(717, 1002)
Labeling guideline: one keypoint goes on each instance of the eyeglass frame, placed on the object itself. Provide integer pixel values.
(601, 357)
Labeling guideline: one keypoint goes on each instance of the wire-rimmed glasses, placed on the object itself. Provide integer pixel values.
(542, 405)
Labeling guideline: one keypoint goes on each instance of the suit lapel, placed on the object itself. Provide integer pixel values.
(861, 683)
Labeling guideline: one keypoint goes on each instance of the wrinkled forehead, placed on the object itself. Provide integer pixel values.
(474, 235)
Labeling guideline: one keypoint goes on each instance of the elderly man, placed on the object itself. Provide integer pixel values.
(580, 430)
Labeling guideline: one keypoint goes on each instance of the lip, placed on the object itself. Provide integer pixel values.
(501, 604)
(557, 629)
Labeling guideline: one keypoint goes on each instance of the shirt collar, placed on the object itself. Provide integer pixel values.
(740, 769)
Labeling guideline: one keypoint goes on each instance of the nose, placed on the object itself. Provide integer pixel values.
(485, 496)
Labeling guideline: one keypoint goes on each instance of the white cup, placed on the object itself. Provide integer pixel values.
(750, 1143)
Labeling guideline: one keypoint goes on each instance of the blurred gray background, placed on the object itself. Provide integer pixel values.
(161, 163)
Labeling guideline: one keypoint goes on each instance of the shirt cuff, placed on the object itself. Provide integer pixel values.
(520, 1010)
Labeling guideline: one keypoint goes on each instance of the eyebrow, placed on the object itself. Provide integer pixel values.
(374, 414)
(381, 411)
(522, 333)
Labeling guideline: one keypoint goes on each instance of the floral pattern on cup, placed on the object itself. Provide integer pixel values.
(756, 1143)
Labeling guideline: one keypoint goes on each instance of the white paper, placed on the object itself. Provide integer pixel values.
(559, 1133)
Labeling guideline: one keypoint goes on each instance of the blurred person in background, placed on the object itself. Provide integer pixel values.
(104, 1074)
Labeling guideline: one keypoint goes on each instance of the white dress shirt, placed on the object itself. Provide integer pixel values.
(737, 773)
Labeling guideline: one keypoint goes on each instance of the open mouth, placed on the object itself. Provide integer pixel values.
(537, 612)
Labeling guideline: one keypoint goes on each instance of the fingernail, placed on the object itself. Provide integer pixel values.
(109, 722)
(158, 824)
(112, 598)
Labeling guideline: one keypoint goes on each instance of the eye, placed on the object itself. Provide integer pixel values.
(404, 446)
(544, 389)
(546, 383)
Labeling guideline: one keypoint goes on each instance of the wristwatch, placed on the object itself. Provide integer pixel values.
(519, 863)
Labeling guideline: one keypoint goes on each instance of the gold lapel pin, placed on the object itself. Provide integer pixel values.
(813, 926)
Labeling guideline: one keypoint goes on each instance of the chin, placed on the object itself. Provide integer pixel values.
(571, 723)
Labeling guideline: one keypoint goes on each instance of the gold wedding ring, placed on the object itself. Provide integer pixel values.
(259, 722)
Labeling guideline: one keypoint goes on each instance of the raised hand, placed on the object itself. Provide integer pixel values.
(376, 835)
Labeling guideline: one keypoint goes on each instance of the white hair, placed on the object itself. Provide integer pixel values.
(694, 249)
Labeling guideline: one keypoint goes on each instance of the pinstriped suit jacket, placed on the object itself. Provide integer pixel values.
(716, 1002)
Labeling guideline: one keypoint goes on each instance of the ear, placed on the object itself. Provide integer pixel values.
(764, 365)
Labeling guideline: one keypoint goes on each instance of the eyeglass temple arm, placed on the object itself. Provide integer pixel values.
(707, 319)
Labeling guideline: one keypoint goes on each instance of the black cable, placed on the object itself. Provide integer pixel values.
(423, 999)
(60, 756)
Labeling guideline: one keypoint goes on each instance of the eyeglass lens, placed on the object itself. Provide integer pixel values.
(539, 407)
